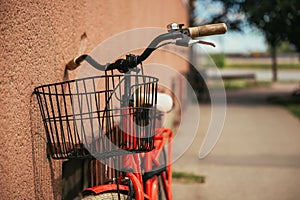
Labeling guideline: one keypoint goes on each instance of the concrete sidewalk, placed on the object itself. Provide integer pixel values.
(257, 156)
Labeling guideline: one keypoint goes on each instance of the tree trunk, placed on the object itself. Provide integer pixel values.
(274, 63)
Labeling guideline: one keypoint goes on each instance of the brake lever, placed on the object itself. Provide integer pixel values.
(192, 42)
(187, 42)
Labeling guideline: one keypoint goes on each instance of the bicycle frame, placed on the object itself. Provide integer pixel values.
(144, 184)
(163, 137)
(145, 188)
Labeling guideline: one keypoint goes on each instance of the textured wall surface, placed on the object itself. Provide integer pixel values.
(37, 39)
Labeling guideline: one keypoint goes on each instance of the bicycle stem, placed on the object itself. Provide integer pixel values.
(131, 61)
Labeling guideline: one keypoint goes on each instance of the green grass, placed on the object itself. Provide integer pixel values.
(294, 109)
(242, 84)
(186, 177)
(261, 66)
(292, 104)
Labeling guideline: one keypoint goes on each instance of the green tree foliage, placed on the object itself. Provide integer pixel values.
(278, 20)
(293, 21)
(216, 11)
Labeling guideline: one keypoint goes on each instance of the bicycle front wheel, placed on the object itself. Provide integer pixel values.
(106, 196)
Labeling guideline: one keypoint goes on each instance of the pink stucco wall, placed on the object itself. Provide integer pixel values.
(37, 39)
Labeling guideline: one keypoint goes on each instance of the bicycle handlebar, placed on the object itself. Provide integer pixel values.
(207, 30)
(183, 35)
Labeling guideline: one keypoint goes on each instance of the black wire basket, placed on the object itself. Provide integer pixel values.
(99, 117)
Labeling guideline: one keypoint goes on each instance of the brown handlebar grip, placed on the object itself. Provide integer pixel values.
(73, 64)
(206, 30)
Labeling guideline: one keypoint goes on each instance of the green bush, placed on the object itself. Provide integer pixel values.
(219, 59)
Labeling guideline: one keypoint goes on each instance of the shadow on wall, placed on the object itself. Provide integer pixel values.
(54, 179)
(74, 178)
(61, 179)
(45, 186)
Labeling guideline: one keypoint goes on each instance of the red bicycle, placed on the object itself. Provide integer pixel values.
(113, 118)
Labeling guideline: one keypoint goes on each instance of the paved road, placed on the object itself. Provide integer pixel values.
(257, 157)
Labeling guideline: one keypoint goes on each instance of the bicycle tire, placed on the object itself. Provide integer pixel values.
(106, 196)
